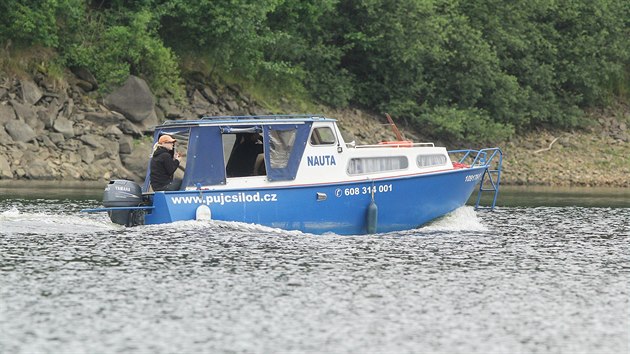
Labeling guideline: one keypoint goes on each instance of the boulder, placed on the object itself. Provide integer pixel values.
(4, 136)
(130, 129)
(5, 168)
(170, 109)
(70, 171)
(46, 121)
(231, 105)
(148, 125)
(126, 145)
(30, 92)
(24, 112)
(56, 138)
(86, 154)
(91, 140)
(38, 170)
(210, 96)
(19, 131)
(104, 119)
(134, 100)
(84, 85)
(138, 160)
(64, 126)
(198, 100)
(113, 131)
(7, 113)
(85, 75)
(48, 142)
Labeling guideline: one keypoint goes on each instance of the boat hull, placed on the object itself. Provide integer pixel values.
(403, 203)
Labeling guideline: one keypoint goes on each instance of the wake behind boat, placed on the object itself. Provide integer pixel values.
(298, 173)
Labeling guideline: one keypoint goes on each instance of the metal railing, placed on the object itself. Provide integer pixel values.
(395, 145)
(492, 160)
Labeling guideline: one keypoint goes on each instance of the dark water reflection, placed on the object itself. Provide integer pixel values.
(520, 279)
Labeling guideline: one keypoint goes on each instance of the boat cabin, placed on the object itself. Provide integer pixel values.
(256, 151)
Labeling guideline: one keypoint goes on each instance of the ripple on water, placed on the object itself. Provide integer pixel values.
(517, 279)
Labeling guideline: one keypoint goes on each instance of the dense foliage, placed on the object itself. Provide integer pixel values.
(470, 69)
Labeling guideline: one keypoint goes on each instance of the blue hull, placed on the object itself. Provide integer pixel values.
(403, 203)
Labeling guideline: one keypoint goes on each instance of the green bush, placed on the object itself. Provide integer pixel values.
(115, 45)
(476, 70)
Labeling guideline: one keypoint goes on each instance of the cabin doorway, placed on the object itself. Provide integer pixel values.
(244, 154)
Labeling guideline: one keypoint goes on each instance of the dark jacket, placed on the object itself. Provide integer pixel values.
(163, 166)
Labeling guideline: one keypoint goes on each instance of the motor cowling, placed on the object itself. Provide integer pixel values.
(123, 193)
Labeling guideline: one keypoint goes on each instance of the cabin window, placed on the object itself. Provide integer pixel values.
(430, 160)
(322, 136)
(359, 166)
(246, 156)
(280, 147)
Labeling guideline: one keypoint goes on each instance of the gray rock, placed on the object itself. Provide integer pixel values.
(84, 85)
(100, 153)
(15, 155)
(113, 131)
(56, 138)
(85, 75)
(163, 102)
(198, 101)
(45, 119)
(19, 131)
(68, 109)
(36, 122)
(70, 171)
(231, 105)
(134, 100)
(30, 92)
(5, 138)
(86, 154)
(48, 142)
(64, 126)
(5, 168)
(210, 96)
(20, 173)
(112, 149)
(138, 160)
(130, 129)
(104, 119)
(168, 106)
(160, 115)
(7, 113)
(24, 112)
(38, 170)
(91, 140)
(126, 145)
(148, 125)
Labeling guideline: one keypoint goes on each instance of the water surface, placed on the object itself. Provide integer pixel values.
(521, 279)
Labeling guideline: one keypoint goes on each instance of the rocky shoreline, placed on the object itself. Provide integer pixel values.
(63, 131)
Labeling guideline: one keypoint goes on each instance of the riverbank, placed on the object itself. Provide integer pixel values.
(596, 156)
(64, 131)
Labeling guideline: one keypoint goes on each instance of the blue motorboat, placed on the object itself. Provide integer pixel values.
(304, 176)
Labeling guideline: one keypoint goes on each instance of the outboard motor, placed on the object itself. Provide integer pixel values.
(123, 193)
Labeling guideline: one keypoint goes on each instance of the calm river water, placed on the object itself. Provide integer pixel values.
(544, 273)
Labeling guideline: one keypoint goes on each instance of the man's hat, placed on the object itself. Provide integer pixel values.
(166, 139)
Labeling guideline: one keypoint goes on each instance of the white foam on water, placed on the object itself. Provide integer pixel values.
(460, 219)
(15, 221)
(219, 225)
(13, 212)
